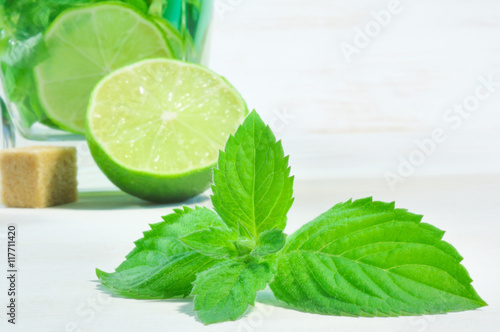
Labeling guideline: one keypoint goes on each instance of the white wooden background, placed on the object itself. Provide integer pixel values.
(357, 118)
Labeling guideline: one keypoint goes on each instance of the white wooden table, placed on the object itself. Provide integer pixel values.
(348, 126)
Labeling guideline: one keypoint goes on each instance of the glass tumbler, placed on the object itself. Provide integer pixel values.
(44, 104)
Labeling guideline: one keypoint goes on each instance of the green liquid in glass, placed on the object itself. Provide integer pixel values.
(22, 47)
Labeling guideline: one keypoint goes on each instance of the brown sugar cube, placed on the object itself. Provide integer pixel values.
(38, 176)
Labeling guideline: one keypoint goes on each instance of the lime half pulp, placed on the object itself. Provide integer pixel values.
(155, 128)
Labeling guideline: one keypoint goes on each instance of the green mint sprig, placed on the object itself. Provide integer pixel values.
(366, 258)
(360, 258)
(252, 183)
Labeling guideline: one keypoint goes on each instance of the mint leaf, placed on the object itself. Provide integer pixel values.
(244, 246)
(224, 291)
(21, 89)
(215, 241)
(161, 266)
(155, 277)
(366, 258)
(269, 243)
(253, 189)
(24, 53)
(157, 7)
(224, 243)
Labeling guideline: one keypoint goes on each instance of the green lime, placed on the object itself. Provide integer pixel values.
(173, 36)
(155, 128)
(84, 45)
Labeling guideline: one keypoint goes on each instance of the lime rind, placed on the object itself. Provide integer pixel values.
(152, 187)
(122, 127)
(173, 37)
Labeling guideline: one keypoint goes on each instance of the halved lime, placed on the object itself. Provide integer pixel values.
(84, 45)
(155, 128)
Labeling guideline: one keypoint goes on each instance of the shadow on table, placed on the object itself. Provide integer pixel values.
(187, 306)
(113, 200)
(266, 296)
(116, 294)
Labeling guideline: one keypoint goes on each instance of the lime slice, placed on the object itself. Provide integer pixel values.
(155, 128)
(173, 36)
(84, 45)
